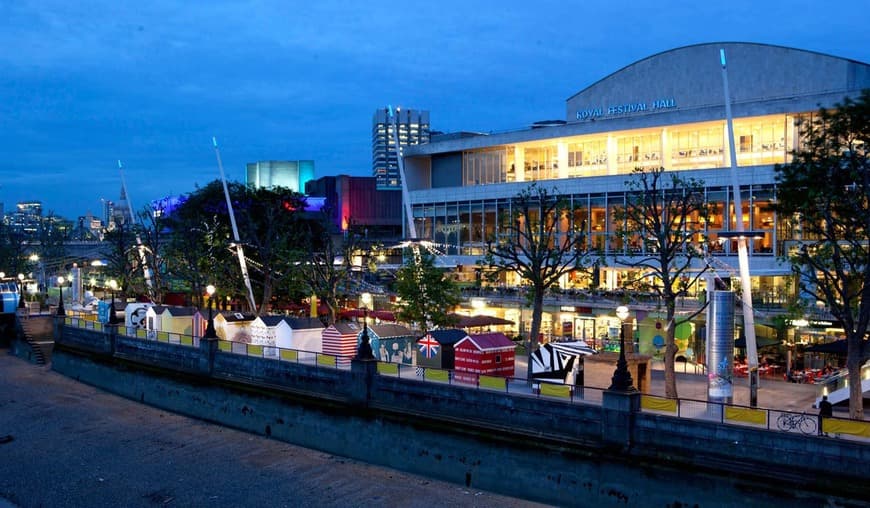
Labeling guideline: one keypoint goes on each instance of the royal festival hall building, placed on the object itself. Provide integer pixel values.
(667, 110)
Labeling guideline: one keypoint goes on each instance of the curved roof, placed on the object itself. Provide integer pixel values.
(690, 77)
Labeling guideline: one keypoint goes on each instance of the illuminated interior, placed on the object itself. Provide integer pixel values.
(758, 140)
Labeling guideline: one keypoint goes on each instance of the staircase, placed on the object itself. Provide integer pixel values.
(38, 333)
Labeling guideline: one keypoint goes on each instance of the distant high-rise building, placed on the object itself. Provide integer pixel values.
(413, 130)
(88, 227)
(108, 213)
(27, 217)
(290, 174)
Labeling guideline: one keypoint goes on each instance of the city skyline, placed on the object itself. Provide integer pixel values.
(87, 84)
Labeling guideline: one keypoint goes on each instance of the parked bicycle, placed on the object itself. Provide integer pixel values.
(797, 421)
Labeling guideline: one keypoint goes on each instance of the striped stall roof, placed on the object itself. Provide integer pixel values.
(340, 340)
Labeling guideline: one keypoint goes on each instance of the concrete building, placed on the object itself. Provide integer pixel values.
(413, 129)
(290, 174)
(666, 110)
(355, 201)
(27, 217)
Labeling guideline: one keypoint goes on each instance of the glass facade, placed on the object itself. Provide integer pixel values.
(760, 140)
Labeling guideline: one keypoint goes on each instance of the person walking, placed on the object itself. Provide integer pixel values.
(826, 410)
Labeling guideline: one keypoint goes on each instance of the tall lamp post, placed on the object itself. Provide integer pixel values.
(210, 332)
(621, 380)
(60, 309)
(364, 352)
(20, 290)
(113, 319)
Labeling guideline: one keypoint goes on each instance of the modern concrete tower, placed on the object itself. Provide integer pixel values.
(413, 130)
(290, 174)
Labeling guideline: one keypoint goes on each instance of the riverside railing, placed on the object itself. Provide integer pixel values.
(761, 418)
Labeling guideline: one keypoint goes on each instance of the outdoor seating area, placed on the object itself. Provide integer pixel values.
(812, 376)
(769, 370)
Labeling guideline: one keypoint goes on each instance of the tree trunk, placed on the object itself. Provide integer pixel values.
(670, 350)
(537, 310)
(267, 297)
(853, 363)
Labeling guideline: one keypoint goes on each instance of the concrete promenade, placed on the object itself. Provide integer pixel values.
(772, 393)
(64, 443)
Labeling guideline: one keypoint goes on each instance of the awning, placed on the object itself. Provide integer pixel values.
(477, 321)
(759, 342)
(837, 347)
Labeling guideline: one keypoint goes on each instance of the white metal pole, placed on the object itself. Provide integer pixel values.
(742, 252)
(146, 270)
(412, 229)
(239, 251)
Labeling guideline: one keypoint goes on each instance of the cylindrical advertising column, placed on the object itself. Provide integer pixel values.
(76, 284)
(720, 336)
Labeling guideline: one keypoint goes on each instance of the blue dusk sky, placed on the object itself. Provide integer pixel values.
(85, 83)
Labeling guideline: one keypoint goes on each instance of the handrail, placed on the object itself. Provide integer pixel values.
(775, 420)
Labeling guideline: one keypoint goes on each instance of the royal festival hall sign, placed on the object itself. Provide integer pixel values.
(627, 108)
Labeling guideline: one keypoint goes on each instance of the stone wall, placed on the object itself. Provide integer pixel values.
(539, 449)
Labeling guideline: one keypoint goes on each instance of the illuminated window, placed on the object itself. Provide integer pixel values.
(588, 157)
(638, 151)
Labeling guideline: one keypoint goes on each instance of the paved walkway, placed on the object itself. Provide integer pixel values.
(64, 443)
(772, 393)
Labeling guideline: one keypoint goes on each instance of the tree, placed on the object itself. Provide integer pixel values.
(196, 252)
(117, 251)
(151, 252)
(329, 269)
(540, 239)
(13, 251)
(428, 294)
(272, 225)
(825, 192)
(662, 226)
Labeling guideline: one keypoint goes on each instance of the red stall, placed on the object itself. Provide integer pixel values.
(491, 354)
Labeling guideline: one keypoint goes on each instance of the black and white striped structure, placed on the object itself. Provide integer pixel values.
(555, 360)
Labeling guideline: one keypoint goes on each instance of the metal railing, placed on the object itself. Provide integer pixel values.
(761, 418)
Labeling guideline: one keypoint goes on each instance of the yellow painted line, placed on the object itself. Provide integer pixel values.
(745, 414)
(494, 382)
(552, 390)
(388, 368)
(326, 360)
(658, 403)
(255, 350)
(437, 375)
(838, 426)
(289, 354)
(163, 336)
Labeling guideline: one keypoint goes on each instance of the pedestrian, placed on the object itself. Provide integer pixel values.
(826, 410)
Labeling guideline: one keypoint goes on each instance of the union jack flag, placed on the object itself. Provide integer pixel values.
(428, 346)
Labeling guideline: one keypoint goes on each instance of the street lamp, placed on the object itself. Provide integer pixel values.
(210, 332)
(113, 319)
(20, 290)
(621, 379)
(364, 352)
(60, 309)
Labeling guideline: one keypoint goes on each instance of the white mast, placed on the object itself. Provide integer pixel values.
(143, 259)
(412, 229)
(238, 244)
(742, 254)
